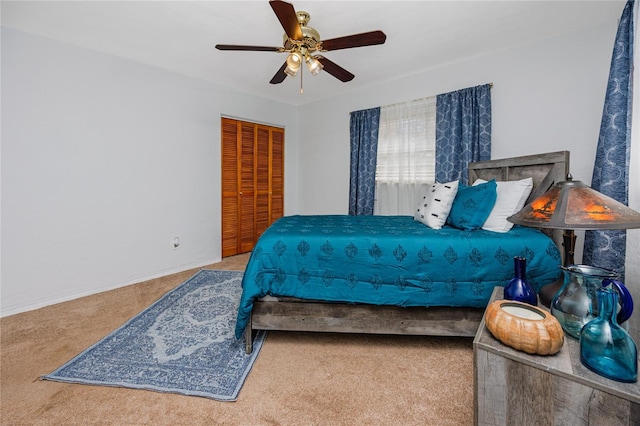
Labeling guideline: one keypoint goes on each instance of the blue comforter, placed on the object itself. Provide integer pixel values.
(389, 260)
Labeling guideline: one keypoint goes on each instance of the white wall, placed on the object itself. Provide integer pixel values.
(104, 162)
(546, 96)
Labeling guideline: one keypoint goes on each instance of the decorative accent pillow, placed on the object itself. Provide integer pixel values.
(472, 205)
(511, 196)
(435, 205)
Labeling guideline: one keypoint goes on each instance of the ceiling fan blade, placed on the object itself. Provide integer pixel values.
(287, 16)
(248, 48)
(356, 40)
(280, 75)
(335, 70)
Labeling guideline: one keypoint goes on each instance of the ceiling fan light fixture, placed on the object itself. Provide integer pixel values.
(314, 65)
(291, 72)
(293, 63)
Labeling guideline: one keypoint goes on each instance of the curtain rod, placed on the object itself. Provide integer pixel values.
(427, 97)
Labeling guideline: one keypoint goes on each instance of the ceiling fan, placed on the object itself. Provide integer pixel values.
(302, 43)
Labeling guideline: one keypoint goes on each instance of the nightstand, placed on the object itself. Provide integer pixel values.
(514, 388)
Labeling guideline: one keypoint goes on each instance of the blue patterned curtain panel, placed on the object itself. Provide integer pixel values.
(363, 128)
(463, 131)
(607, 249)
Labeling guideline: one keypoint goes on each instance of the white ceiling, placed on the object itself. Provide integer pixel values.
(180, 35)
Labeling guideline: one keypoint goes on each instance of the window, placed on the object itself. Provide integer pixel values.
(406, 155)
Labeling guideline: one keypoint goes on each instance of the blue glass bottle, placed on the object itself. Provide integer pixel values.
(518, 288)
(605, 347)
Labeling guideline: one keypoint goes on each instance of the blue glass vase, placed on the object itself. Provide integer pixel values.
(605, 347)
(518, 288)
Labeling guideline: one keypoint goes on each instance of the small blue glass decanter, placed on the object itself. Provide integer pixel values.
(518, 288)
(605, 347)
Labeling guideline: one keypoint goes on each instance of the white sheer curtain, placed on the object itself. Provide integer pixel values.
(406, 155)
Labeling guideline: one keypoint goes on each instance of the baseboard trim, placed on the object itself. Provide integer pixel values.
(13, 310)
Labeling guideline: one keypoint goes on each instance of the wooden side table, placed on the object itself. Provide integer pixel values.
(514, 388)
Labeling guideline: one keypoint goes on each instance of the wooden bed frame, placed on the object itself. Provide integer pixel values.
(298, 315)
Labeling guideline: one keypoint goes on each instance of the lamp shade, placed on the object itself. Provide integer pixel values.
(573, 205)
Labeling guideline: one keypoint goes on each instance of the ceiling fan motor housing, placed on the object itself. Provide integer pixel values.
(310, 36)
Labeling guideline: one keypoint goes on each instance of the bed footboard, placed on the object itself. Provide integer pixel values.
(368, 319)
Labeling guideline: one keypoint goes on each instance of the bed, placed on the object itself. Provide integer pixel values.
(393, 274)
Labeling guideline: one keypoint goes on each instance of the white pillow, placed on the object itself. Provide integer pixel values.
(511, 198)
(435, 206)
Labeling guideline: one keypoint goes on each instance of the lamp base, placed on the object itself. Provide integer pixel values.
(548, 292)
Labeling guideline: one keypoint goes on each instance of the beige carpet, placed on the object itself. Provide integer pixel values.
(298, 379)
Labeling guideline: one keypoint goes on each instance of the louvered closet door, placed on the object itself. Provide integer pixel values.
(269, 177)
(277, 174)
(246, 215)
(238, 187)
(252, 182)
(230, 188)
(263, 181)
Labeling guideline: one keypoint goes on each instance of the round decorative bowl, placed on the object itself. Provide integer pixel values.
(524, 327)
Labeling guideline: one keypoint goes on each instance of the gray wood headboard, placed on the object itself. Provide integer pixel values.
(546, 170)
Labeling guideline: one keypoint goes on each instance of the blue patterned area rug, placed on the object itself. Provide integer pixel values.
(184, 343)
